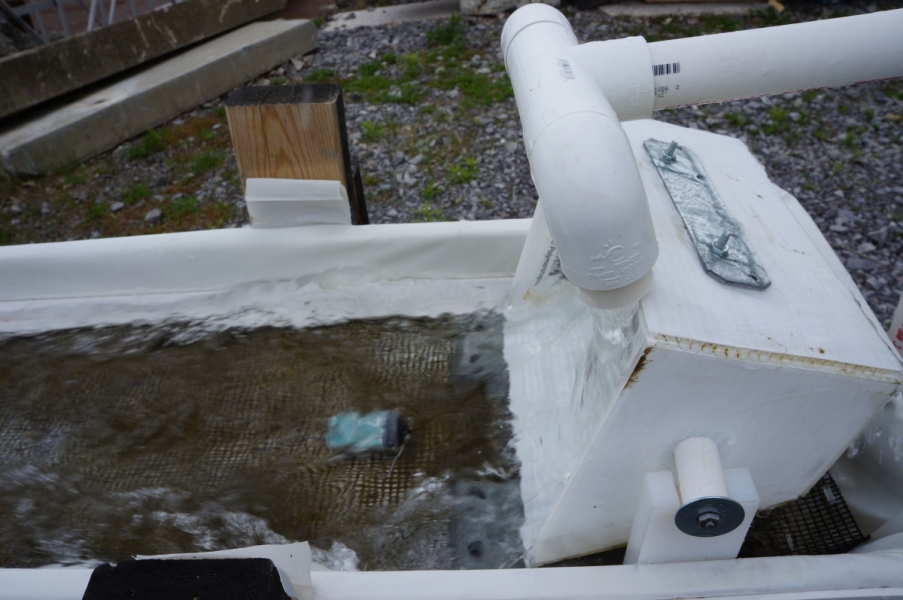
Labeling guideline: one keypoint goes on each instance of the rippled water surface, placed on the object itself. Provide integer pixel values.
(130, 440)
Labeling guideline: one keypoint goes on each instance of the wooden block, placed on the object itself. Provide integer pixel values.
(294, 132)
(287, 132)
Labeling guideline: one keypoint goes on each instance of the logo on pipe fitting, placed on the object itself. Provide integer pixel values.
(565, 69)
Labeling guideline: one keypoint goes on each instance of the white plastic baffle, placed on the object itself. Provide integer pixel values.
(708, 521)
(275, 203)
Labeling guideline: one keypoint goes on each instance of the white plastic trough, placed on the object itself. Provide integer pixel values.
(318, 274)
(326, 273)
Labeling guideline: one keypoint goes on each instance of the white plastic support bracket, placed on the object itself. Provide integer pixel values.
(655, 538)
(274, 203)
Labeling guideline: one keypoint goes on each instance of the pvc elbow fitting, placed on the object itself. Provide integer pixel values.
(594, 201)
(581, 161)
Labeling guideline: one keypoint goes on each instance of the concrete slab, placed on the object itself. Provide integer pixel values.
(45, 72)
(641, 9)
(494, 7)
(102, 119)
(433, 9)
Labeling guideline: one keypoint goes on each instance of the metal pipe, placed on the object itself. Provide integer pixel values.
(61, 9)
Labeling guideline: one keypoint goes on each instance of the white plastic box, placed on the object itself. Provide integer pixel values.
(782, 379)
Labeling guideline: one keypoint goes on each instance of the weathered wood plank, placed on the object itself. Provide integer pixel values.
(41, 73)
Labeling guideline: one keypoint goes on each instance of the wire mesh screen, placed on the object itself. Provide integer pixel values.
(818, 523)
(131, 440)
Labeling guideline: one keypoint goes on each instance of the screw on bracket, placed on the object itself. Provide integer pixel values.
(720, 247)
(668, 156)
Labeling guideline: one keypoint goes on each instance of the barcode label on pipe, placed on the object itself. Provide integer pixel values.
(564, 67)
(665, 69)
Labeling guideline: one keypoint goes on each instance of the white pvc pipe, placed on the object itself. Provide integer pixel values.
(580, 158)
(699, 471)
(775, 60)
(638, 78)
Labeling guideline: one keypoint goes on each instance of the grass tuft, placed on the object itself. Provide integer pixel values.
(187, 205)
(150, 144)
(428, 213)
(447, 34)
(210, 159)
(135, 193)
(464, 171)
(372, 131)
(321, 76)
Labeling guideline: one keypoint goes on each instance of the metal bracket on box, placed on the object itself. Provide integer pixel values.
(718, 237)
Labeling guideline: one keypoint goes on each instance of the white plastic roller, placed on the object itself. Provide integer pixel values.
(706, 510)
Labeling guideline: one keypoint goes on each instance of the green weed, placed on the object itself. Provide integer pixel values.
(210, 159)
(778, 114)
(411, 66)
(76, 178)
(449, 33)
(150, 144)
(372, 131)
(408, 93)
(369, 69)
(893, 90)
(96, 212)
(137, 192)
(370, 84)
(737, 120)
(850, 139)
(187, 205)
(464, 171)
(718, 23)
(321, 76)
(478, 88)
(428, 213)
(431, 191)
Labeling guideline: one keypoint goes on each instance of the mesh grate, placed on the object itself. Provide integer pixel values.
(128, 440)
(818, 523)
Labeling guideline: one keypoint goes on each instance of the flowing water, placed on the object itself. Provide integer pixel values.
(149, 440)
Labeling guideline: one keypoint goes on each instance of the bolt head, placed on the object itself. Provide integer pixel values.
(708, 520)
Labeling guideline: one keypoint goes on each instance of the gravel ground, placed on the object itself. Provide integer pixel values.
(435, 130)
